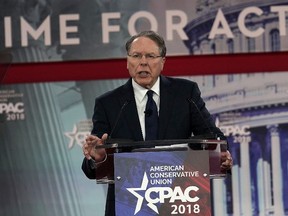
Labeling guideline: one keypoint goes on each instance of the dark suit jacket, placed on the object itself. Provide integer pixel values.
(179, 118)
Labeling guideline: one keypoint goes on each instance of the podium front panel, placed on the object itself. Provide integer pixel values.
(162, 183)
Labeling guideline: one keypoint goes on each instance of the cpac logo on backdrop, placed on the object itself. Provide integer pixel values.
(12, 111)
(233, 130)
(163, 193)
(11, 107)
(80, 131)
(239, 133)
(236, 130)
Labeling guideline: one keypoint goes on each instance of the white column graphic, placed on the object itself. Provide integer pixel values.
(219, 190)
(276, 170)
(245, 179)
(236, 190)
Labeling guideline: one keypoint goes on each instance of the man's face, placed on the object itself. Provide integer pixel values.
(144, 62)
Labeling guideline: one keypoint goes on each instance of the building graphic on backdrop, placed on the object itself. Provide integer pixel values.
(254, 116)
(251, 110)
(245, 27)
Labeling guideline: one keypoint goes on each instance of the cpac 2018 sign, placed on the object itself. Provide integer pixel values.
(167, 193)
(162, 183)
(12, 111)
(68, 25)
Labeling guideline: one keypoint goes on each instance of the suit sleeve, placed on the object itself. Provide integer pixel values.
(100, 126)
(88, 168)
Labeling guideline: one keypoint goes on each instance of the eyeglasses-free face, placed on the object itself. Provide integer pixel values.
(144, 62)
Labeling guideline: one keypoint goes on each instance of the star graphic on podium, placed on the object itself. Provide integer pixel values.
(136, 194)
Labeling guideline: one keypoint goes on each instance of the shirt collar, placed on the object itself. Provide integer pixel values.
(140, 92)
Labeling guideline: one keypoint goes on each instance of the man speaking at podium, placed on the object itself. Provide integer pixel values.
(149, 106)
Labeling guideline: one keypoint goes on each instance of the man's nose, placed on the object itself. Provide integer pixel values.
(143, 60)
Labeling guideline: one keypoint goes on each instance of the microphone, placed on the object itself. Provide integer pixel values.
(148, 112)
(118, 118)
(211, 134)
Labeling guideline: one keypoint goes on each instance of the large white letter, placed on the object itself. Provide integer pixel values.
(241, 22)
(282, 18)
(8, 31)
(64, 29)
(217, 30)
(35, 33)
(142, 14)
(106, 28)
(177, 27)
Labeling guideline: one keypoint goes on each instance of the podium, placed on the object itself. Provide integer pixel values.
(162, 177)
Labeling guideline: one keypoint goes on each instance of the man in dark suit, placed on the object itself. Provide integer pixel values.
(181, 110)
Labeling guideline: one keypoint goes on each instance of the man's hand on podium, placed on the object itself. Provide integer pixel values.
(226, 161)
(89, 151)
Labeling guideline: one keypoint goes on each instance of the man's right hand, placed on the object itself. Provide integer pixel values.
(89, 150)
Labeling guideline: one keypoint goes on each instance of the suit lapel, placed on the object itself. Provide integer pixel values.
(167, 96)
(131, 114)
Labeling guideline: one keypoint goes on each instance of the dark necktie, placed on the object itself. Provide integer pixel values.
(151, 118)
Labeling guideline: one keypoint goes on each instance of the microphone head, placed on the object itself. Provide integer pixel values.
(148, 112)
